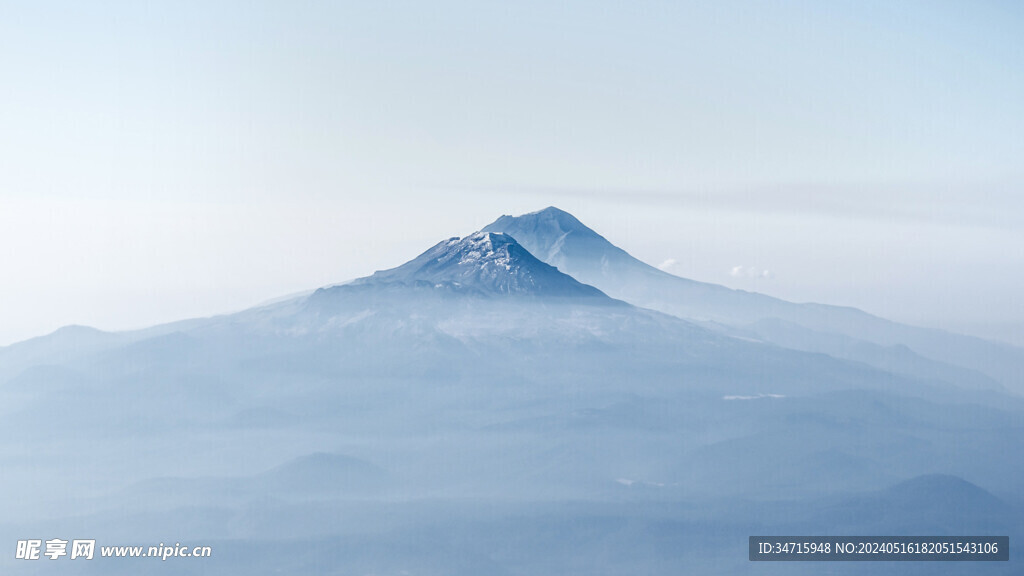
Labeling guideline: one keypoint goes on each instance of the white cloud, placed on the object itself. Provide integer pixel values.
(667, 264)
(750, 272)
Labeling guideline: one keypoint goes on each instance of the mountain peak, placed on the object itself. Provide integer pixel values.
(484, 262)
(566, 221)
(560, 239)
(549, 223)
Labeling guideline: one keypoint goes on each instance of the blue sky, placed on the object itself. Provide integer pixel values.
(164, 160)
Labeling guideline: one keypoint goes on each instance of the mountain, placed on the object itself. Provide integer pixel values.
(932, 503)
(561, 240)
(473, 411)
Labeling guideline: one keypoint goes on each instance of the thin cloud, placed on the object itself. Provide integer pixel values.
(668, 264)
(750, 272)
(988, 204)
(755, 397)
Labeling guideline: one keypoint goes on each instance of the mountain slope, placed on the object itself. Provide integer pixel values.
(563, 241)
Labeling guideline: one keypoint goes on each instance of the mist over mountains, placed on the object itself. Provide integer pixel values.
(527, 399)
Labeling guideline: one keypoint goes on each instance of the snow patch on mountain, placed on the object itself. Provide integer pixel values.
(483, 263)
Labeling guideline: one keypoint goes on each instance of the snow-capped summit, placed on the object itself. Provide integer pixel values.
(483, 262)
